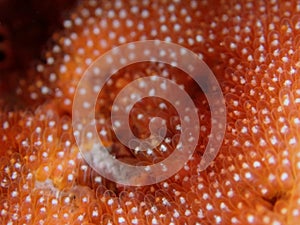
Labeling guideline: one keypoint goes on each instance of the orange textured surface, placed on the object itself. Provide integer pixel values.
(253, 49)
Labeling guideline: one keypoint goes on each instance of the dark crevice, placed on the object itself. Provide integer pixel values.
(272, 201)
(2, 38)
(2, 56)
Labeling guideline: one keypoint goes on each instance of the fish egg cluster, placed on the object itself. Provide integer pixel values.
(253, 49)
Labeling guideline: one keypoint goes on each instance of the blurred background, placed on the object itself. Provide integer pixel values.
(25, 28)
